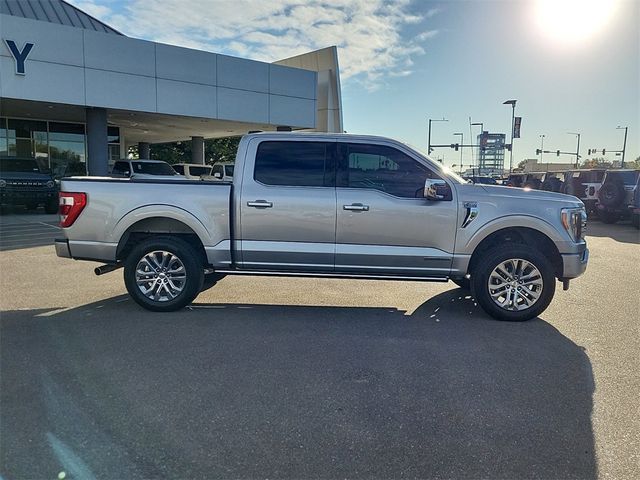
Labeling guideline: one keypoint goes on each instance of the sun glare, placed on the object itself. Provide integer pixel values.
(573, 21)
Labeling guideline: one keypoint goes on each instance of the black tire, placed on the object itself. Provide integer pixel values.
(51, 206)
(607, 216)
(611, 194)
(494, 257)
(463, 282)
(193, 266)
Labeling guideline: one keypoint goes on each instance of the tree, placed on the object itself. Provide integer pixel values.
(596, 163)
(215, 150)
(634, 164)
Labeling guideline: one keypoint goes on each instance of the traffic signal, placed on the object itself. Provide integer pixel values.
(430, 150)
(538, 151)
(557, 153)
(455, 146)
(589, 152)
(603, 151)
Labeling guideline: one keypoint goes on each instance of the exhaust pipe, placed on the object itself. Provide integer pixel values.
(110, 267)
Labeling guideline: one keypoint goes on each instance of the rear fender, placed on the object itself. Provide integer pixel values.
(162, 211)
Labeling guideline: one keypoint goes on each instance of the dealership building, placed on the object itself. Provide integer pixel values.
(75, 93)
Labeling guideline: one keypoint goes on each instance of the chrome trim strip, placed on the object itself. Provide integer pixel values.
(331, 275)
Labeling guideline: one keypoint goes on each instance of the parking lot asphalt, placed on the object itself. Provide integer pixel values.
(318, 378)
(27, 230)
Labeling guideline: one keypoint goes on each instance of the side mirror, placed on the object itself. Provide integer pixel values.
(435, 189)
(218, 175)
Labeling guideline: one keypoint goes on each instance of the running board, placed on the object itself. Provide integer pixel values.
(331, 275)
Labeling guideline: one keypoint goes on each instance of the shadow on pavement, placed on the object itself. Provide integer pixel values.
(622, 231)
(108, 390)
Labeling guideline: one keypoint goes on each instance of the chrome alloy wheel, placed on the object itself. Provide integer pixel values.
(160, 276)
(515, 284)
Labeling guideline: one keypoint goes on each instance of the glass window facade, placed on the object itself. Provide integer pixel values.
(57, 146)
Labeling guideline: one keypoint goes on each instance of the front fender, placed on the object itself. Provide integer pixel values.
(468, 241)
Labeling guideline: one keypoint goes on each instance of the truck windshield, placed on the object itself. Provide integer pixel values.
(19, 165)
(153, 168)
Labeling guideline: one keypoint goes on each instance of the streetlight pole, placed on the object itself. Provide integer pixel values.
(513, 124)
(541, 147)
(577, 148)
(461, 143)
(429, 134)
(624, 145)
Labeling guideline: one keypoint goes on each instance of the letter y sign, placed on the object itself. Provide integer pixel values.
(19, 56)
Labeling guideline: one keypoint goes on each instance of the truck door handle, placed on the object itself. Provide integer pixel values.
(358, 207)
(260, 204)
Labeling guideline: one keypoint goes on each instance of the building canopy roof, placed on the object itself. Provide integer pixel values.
(54, 11)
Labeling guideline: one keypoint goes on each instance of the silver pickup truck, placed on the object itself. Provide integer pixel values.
(327, 205)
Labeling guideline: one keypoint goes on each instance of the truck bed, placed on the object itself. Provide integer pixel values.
(115, 206)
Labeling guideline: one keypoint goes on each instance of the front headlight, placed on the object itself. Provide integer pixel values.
(574, 220)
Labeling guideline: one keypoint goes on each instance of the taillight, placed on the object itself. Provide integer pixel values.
(71, 205)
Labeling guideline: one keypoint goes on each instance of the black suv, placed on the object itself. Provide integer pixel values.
(24, 182)
(616, 194)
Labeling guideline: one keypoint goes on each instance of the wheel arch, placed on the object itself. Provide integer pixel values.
(150, 226)
(520, 235)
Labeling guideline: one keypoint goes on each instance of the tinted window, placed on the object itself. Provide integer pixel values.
(153, 168)
(120, 168)
(293, 163)
(197, 171)
(179, 169)
(228, 169)
(628, 178)
(18, 165)
(385, 169)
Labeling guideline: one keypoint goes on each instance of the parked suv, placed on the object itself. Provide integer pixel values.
(635, 206)
(482, 179)
(584, 184)
(154, 169)
(515, 180)
(223, 171)
(616, 194)
(552, 182)
(192, 171)
(24, 182)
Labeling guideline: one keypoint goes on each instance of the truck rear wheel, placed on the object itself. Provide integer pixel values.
(163, 274)
(513, 283)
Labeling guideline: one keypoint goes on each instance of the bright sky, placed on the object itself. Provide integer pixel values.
(572, 65)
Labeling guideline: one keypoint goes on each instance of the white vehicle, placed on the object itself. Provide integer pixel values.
(141, 169)
(584, 184)
(221, 172)
(193, 171)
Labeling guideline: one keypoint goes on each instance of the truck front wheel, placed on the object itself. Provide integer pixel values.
(513, 283)
(163, 274)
